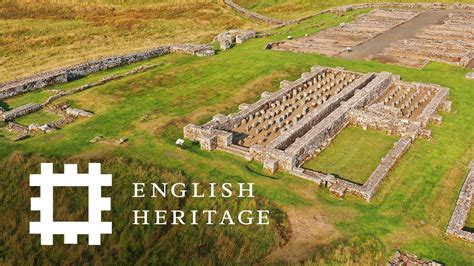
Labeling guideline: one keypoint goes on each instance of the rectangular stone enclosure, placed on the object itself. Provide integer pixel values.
(284, 129)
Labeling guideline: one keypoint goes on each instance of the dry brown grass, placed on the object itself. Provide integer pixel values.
(43, 35)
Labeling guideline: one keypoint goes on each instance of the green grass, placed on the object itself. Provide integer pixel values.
(411, 209)
(41, 117)
(470, 219)
(131, 244)
(37, 96)
(353, 154)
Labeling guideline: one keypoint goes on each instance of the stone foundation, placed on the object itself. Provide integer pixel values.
(228, 38)
(461, 211)
(21, 111)
(285, 128)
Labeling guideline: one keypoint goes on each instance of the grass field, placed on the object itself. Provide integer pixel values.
(353, 154)
(291, 9)
(41, 117)
(410, 212)
(40, 36)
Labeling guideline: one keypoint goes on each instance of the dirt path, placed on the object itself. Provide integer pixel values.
(404, 31)
(310, 229)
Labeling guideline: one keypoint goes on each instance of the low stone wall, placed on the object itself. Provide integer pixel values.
(389, 124)
(402, 259)
(316, 115)
(320, 135)
(461, 211)
(192, 49)
(15, 87)
(384, 167)
(228, 38)
(251, 14)
(21, 111)
(12, 88)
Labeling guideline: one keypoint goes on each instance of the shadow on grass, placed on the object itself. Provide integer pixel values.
(253, 168)
(4, 106)
(468, 229)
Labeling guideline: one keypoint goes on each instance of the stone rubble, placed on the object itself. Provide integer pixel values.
(228, 38)
(78, 112)
(402, 259)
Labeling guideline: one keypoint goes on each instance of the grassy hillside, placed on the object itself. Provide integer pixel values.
(410, 212)
(43, 35)
(129, 243)
(290, 9)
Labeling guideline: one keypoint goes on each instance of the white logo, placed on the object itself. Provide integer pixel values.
(93, 180)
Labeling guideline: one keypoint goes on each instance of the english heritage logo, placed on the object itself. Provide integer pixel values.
(47, 181)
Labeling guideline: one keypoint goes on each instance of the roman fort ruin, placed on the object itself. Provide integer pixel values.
(66, 113)
(409, 37)
(286, 128)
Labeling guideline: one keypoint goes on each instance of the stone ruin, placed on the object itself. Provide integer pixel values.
(69, 114)
(450, 41)
(286, 128)
(12, 88)
(456, 226)
(336, 40)
(470, 75)
(404, 259)
(228, 38)
(20, 111)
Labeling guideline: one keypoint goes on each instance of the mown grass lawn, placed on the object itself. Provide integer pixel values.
(354, 154)
(409, 212)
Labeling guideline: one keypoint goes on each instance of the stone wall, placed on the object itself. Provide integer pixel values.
(252, 15)
(228, 38)
(402, 259)
(461, 211)
(21, 111)
(320, 135)
(389, 124)
(385, 166)
(15, 87)
(192, 49)
(356, 102)
(316, 115)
